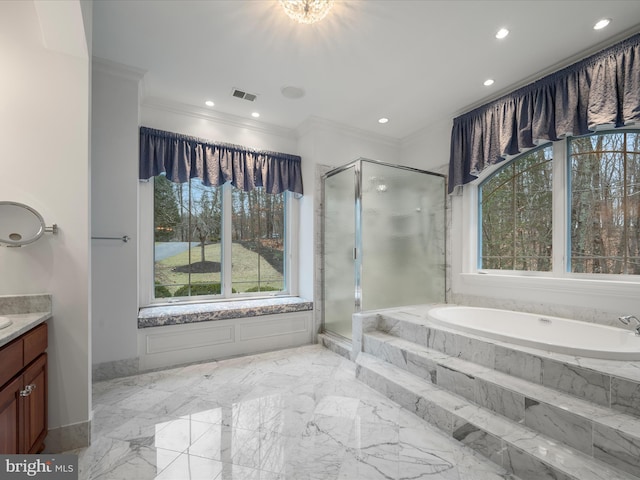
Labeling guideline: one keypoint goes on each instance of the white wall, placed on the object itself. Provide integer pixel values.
(208, 124)
(114, 195)
(45, 163)
(428, 148)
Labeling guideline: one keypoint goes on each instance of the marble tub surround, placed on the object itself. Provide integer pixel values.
(557, 415)
(493, 398)
(297, 414)
(606, 382)
(25, 312)
(156, 316)
(518, 449)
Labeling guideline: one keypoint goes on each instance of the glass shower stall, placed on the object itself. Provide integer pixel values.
(383, 230)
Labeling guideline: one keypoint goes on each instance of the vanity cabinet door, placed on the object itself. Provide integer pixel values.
(34, 405)
(10, 418)
(23, 393)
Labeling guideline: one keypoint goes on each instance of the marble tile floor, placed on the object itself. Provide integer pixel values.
(297, 414)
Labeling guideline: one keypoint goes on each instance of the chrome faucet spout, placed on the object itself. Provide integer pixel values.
(626, 319)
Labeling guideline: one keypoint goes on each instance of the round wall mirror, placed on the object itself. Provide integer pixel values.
(19, 224)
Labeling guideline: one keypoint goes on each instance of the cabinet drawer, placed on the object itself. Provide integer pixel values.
(35, 343)
(11, 361)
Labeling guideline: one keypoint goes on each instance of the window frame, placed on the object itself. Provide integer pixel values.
(146, 261)
(561, 217)
(568, 200)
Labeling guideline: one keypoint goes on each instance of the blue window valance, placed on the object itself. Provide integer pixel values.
(183, 157)
(603, 89)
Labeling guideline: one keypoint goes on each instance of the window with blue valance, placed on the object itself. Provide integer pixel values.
(182, 158)
(603, 89)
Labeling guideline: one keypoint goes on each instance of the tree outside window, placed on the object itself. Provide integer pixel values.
(605, 203)
(516, 214)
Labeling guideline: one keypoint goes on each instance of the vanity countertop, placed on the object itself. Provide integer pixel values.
(25, 312)
(22, 323)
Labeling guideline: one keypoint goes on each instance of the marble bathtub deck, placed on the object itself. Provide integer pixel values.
(297, 414)
(628, 370)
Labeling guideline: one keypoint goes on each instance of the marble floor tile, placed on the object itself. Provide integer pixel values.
(297, 414)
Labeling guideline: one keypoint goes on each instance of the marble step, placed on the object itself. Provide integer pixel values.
(336, 344)
(517, 448)
(610, 383)
(597, 431)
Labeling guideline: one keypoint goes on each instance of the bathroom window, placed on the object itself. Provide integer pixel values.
(516, 213)
(218, 241)
(604, 198)
(593, 223)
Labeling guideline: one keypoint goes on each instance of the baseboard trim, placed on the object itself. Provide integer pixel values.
(115, 369)
(68, 437)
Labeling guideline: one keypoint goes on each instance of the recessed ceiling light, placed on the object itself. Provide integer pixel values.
(488, 82)
(255, 114)
(602, 23)
(503, 32)
(383, 120)
(209, 103)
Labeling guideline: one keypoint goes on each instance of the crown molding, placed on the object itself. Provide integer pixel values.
(217, 117)
(116, 69)
(313, 123)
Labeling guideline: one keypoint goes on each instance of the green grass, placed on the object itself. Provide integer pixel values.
(244, 269)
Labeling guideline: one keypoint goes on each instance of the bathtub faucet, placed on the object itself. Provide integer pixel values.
(626, 319)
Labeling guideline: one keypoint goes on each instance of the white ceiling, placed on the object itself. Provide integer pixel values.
(415, 62)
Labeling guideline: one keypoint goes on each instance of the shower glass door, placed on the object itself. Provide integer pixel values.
(402, 236)
(339, 243)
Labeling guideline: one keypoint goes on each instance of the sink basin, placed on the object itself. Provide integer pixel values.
(5, 322)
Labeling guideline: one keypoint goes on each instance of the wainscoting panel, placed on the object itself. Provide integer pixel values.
(193, 338)
(171, 345)
(269, 327)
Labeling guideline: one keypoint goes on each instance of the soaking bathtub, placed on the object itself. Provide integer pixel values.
(555, 334)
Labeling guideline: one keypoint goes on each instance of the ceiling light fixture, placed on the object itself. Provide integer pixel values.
(255, 114)
(602, 23)
(503, 32)
(306, 11)
(488, 82)
(209, 103)
(383, 120)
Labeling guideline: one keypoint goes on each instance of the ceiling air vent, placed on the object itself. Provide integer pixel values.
(244, 95)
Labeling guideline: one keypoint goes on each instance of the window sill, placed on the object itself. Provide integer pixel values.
(545, 284)
(206, 312)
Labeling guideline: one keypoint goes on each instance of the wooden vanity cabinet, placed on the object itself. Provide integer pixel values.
(23, 393)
